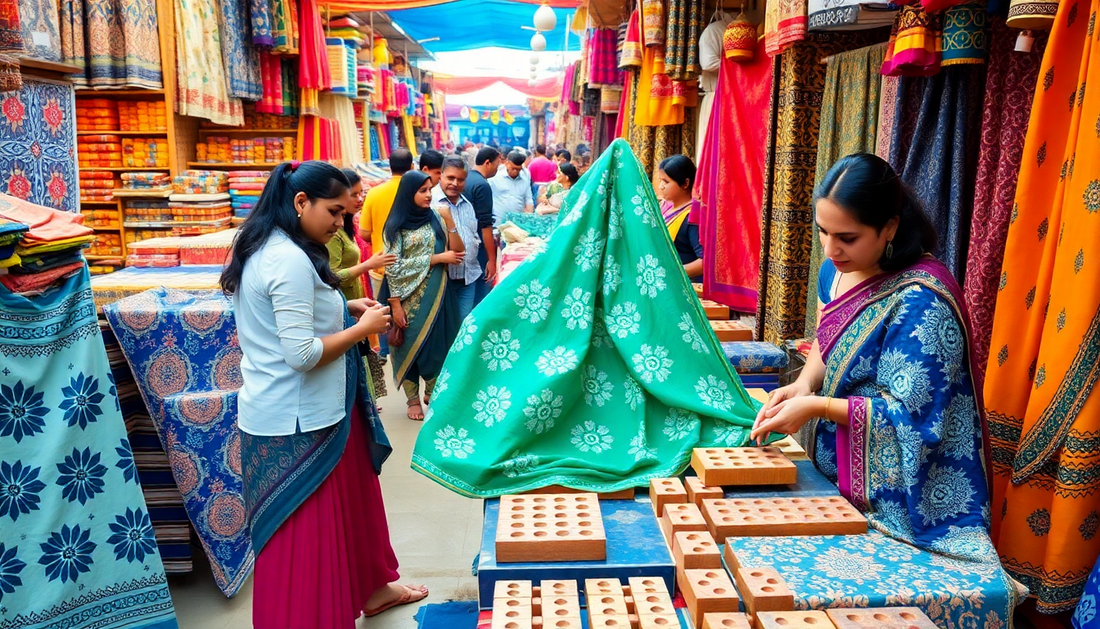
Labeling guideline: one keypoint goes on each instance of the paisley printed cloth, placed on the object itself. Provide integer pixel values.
(37, 144)
(115, 41)
(241, 58)
(41, 27)
(1087, 608)
(79, 549)
(601, 379)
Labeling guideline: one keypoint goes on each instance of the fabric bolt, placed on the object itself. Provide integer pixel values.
(710, 57)
(632, 54)
(115, 41)
(785, 23)
(1032, 14)
(241, 59)
(313, 70)
(848, 124)
(271, 80)
(685, 24)
(1009, 91)
(285, 27)
(934, 150)
(260, 22)
(37, 141)
(605, 64)
(198, 57)
(603, 405)
(1046, 330)
(731, 182)
(39, 282)
(916, 43)
(41, 27)
(63, 455)
(965, 34)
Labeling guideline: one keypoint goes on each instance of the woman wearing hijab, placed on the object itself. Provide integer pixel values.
(424, 241)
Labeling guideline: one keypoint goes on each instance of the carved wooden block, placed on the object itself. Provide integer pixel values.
(604, 586)
(558, 588)
(715, 310)
(881, 618)
(707, 591)
(512, 589)
(667, 621)
(694, 550)
(776, 517)
(550, 527)
(764, 590)
(560, 606)
(793, 620)
(731, 330)
(682, 517)
(698, 288)
(791, 449)
(719, 467)
(697, 492)
(609, 622)
(663, 491)
(760, 395)
(726, 620)
(646, 585)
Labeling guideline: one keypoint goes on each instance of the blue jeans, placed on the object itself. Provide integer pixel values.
(464, 297)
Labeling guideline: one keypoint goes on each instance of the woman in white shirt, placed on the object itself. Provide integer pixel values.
(311, 441)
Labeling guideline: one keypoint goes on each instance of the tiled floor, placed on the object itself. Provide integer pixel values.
(435, 533)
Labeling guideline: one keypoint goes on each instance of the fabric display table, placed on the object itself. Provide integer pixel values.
(110, 288)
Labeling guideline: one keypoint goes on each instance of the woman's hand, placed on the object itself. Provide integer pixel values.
(375, 320)
(449, 257)
(380, 261)
(356, 307)
(400, 319)
(786, 417)
(794, 390)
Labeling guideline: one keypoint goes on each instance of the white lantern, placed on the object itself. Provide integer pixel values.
(534, 75)
(534, 69)
(534, 59)
(538, 42)
(531, 82)
(545, 18)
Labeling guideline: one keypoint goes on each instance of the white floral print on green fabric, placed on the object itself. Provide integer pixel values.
(520, 464)
(465, 334)
(612, 276)
(652, 363)
(714, 393)
(589, 250)
(492, 405)
(500, 350)
(454, 442)
(624, 320)
(680, 423)
(541, 411)
(572, 216)
(640, 449)
(640, 201)
(557, 361)
(615, 221)
(589, 437)
(651, 276)
(578, 309)
(691, 334)
(600, 337)
(634, 393)
(729, 434)
(441, 382)
(533, 300)
(597, 389)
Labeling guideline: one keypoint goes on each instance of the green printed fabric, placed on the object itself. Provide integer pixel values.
(592, 365)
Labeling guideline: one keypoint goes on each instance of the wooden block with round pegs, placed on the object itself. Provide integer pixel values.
(511, 617)
(512, 589)
(695, 549)
(715, 311)
(663, 491)
(667, 621)
(880, 618)
(793, 620)
(646, 585)
(606, 604)
(731, 331)
(603, 586)
(560, 606)
(730, 557)
(775, 517)
(622, 494)
(562, 623)
(550, 527)
(609, 622)
(682, 517)
(726, 620)
(764, 590)
(698, 492)
(558, 588)
(791, 449)
(707, 591)
(721, 467)
(698, 288)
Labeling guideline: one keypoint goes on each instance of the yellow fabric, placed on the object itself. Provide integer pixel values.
(376, 209)
(678, 221)
(655, 110)
(52, 245)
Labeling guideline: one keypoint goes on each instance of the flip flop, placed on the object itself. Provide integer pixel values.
(409, 413)
(410, 595)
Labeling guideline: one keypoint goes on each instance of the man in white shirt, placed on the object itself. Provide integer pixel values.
(512, 189)
(463, 276)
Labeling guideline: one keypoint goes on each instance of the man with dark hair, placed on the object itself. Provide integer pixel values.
(451, 192)
(431, 162)
(563, 156)
(512, 188)
(542, 170)
(480, 194)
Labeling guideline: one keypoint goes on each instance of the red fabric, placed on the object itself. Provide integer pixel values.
(313, 71)
(604, 70)
(39, 281)
(731, 182)
(271, 77)
(548, 88)
(332, 553)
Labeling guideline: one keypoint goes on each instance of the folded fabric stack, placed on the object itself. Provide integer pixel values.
(101, 219)
(759, 364)
(202, 182)
(142, 116)
(144, 153)
(155, 252)
(516, 253)
(106, 245)
(245, 187)
(145, 183)
(200, 211)
(207, 249)
(146, 212)
(99, 151)
(97, 114)
(42, 246)
(339, 56)
(97, 185)
(265, 150)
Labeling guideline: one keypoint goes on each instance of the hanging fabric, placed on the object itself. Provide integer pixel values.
(965, 34)
(41, 27)
(784, 24)
(685, 24)
(916, 42)
(202, 90)
(241, 59)
(261, 23)
(1032, 14)
(116, 42)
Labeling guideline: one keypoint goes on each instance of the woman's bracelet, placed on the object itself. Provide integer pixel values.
(828, 401)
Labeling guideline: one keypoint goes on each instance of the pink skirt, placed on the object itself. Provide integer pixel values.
(320, 567)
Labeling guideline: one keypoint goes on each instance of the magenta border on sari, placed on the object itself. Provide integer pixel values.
(851, 447)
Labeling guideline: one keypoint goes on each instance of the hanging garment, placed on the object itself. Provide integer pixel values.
(965, 34)
(116, 42)
(916, 42)
(241, 59)
(599, 380)
(710, 58)
(784, 24)
(685, 23)
(284, 27)
(1044, 406)
(1032, 14)
(887, 115)
(604, 71)
(653, 22)
(261, 23)
(41, 28)
(202, 90)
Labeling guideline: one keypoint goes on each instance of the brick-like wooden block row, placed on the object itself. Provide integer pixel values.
(716, 311)
(663, 491)
(731, 330)
(707, 591)
(550, 527)
(771, 517)
(719, 467)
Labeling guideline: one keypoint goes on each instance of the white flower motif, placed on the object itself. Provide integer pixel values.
(572, 216)
(542, 409)
(840, 563)
(714, 393)
(520, 464)
(582, 200)
(652, 363)
(615, 222)
(634, 393)
(908, 381)
(588, 437)
(959, 428)
(597, 390)
(640, 201)
(465, 334)
(557, 361)
(578, 309)
(624, 320)
(894, 518)
(680, 423)
(500, 350)
(600, 338)
(492, 405)
(441, 383)
(640, 449)
(729, 435)
(912, 452)
(965, 542)
(456, 443)
(534, 301)
(691, 334)
(651, 276)
(612, 276)
(940, 336)
(589, 250)
(947, 493)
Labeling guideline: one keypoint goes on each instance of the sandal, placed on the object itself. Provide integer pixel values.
(417, 416)
(409, 595)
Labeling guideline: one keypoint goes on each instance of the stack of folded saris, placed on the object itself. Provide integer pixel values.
(39, 247)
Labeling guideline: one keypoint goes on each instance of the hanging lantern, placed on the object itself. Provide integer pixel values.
(534, 59)
(538, 42)
(545, 18)
(508, 117)
(464, 112)
(494, 117)
(739, 40)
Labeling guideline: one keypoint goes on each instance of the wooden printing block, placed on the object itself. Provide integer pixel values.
(667, 621)
(731, 331)
(654, 604)
(646, 585)
(707, 591)
(726, 620)
(760, 395)
(695, 549)
(603, 586)
(606, 604)
(682, 517)
(793, 620)
(764, 590)
(622, 494)
(776, 517)
(663, 491)
(791, 449)
(715, 310)
(561, 606)
(511, 613)
(698, 492)
(732, 563)
(721, 467)
(511, 623)
(562, 623)
(550, 527)
(512, 589)
(880, 618)
(609, 622)
(558, 588)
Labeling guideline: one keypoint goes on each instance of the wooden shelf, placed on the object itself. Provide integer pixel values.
(49, 66)
(205, 165)
(107, 229)
(95, 258)
(281, 132)
(91, 202)
(124, 169)
(104, 92)
(124, 133)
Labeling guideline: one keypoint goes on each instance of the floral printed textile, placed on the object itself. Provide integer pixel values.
(116, 42)
(198, 57)
(588, 380)
(38, 144)
(78, 549)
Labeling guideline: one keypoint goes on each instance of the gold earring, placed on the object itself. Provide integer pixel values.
(889, 248)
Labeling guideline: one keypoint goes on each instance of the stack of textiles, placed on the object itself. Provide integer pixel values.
(106, 245)
(145, 184)
(97, 114)
(759, 364)
(137, 213)
(346, 28)
(97, 185)
(208, 249)
(144, 153)
(155, 252)
(365, 76)
(142, 116)
(262, 150)
(200, 182)
(516, 253)
(193, 212)
(245, 187)
(101, 219)
(341, 57)
(99, 151)
(43, 246)
(373, 174)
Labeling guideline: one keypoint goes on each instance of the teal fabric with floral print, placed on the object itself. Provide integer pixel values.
(592, 365)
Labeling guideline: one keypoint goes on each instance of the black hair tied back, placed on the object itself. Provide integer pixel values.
(275, 211)
(866, 186)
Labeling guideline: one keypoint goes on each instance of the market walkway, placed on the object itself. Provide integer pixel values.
(435, 533)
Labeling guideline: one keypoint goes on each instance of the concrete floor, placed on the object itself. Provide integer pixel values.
(435, 533)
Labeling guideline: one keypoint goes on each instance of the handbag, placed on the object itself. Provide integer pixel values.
(395, 337)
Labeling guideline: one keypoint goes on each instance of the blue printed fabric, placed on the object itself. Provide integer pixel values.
(182, 347)
(1087, 616)
(77, 548)
(754, 356)
(37, 144)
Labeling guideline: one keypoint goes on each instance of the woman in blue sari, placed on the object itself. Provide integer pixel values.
(902, 428)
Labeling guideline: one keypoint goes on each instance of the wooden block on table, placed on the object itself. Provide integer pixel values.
(646, 585)
(730, 557)
(609, 622)
(731, 330)
(726, 620)
(793, 620)
(558, 588)
(562, 623)
(721, 467)
(500, 622)
(550, 527)
(666, 621)
(791, 448)
(683, 517)
(715, 311)
(760, 395)
(505, 617)
(622, 494)
(698, 492)
(778, 517)
(604, 586)
(663, 491)
(607, 604)
(512, 589)
(695, 549)
(654, 604)
(698, 288)
(561, 606)
(707, 591)
(764, 590)
(880, 618)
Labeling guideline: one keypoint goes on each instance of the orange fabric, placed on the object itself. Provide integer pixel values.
(1043, 405)
(656, 106)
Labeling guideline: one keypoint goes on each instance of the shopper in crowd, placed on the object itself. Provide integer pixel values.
(553, 195)
(431, 162)
(675, 180)
(889, 373)
(562, 156)
(376, 209)
(542, 170)
(512, 189)
(480, 195)
(427, 243)
(450, 193)
(311, 445)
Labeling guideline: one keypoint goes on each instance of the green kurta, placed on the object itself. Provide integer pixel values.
(343, 254)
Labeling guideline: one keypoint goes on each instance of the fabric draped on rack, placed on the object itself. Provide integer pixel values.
(198, 58)
(731, 182)
(271, 78)
(784, 24)
(604, 69)
(1009, 91)
(1044, 406)
(37, 141)
(1033, 14)
(916, 42)
(685, 24)
(116, 42)
(284, 27)
(887, 114)
(241, 59)
(313, 70)
(965, 34)
(41, 27)
(653, 22)
(261, 22)
(934, 150)
(11, 33)
(848, 124)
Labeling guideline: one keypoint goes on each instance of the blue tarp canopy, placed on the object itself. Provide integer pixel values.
(470, 24)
